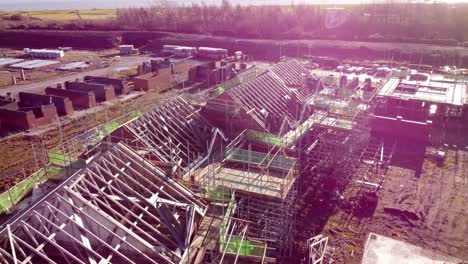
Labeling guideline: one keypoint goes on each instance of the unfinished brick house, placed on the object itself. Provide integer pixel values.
(79, 99)
(102, 92)
(120, 86)
(212, 72)
(265, 103)
(257, 104)
(412, 108)
(16, 118)
(63, 104)
(146, 82)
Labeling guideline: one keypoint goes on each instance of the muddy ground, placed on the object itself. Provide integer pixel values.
(421, 202)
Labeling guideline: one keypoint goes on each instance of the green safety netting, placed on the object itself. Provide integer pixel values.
(264, 138)
(135, 115)
(60, 166)
(218, 91)
(218, 193)
(109, 127)
(260, 159)
(244, 247)
(16, 193)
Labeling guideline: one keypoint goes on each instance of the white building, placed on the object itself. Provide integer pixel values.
(212, 53)
(44, 53)
(127, 50)
(184, 51)
(170, 48)
(179, 51)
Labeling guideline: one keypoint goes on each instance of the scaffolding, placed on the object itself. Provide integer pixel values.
(173, 134)
(200, 98)
(236, 239)
(151, 174)
(317, 246)
(54, 162)
(245, 170)
(259, 167)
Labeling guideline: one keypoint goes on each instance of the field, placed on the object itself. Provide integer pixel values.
(93, 14)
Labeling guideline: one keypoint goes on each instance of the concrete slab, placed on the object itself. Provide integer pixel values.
(384, 250)
(34, 64)
(7, 61)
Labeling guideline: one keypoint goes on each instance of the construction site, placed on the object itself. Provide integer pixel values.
(272, 163)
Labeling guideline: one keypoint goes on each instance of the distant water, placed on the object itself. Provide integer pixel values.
(106, 4)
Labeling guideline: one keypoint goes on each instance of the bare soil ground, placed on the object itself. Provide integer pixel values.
(420, 202)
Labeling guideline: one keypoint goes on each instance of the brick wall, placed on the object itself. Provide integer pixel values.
(193, 74)
(214, 77)
(147, 82)
(14, 120)
(101, 91)
(408, 109)
(47, 114)
(63, 104)
(120, 86)
(343, 80)
(398, 127)
(141, 84)
(79, 99)
(219, 110)
(24, 120)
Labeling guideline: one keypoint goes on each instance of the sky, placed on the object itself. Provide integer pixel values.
(90, 4)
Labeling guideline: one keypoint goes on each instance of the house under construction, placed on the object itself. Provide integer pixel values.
(208, 178)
